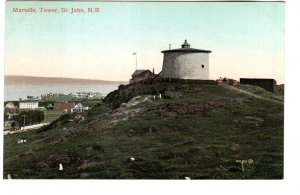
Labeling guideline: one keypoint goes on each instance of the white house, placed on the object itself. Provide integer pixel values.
(79, 108)
(29, 105)
(10, 105)
(10, 108)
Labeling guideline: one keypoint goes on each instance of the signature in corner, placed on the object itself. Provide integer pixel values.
(250, 161)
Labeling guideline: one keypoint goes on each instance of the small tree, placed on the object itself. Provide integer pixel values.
(29, 117)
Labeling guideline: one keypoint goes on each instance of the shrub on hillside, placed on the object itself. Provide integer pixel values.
(62, 120)
(31, 117)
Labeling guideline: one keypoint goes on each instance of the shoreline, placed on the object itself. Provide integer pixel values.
(15, 92)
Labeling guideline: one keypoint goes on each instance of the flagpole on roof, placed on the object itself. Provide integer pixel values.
(136, 60)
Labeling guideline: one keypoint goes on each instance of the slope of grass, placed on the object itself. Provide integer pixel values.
(199, 134)
(278, 95)
(51, 115)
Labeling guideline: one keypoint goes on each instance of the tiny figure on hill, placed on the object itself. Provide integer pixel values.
(60, 167)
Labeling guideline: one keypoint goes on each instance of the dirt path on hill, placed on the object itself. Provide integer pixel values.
(251, 94)
(27, 128)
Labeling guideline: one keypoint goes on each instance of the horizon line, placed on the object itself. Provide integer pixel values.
(58, 77)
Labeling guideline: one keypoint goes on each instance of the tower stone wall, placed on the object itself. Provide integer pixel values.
(186, 65)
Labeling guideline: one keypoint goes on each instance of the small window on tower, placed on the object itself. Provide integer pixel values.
(202, 66)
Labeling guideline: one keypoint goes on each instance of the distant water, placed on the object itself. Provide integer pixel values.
(14, 92)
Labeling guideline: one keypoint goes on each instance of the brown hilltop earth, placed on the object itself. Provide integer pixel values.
(196, 131)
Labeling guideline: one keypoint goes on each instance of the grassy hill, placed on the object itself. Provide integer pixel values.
(196, 131)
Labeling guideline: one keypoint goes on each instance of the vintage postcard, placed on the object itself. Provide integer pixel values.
(143, 90)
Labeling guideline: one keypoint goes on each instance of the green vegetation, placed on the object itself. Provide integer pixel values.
(278, 95)
(196, 131)
(6, 117)
(279, 89)
(62, 120)
(51, 115)
(31, 117)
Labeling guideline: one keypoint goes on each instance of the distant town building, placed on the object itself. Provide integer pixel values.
(78, 108)
(10, 105)
(8, 123)
(84, 94)
(10, 108)
(28, 105)
(140, 75)
(76, 95)
(46, 96)
(267, 84)
(186, 63)
(33, 97)
(49, 106)
(63, 105)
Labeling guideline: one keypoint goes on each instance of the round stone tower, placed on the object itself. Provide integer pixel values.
(186, 63)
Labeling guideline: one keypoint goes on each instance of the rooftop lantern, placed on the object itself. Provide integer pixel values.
(185, 44)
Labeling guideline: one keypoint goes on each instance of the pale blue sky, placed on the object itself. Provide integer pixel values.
(246, 39)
